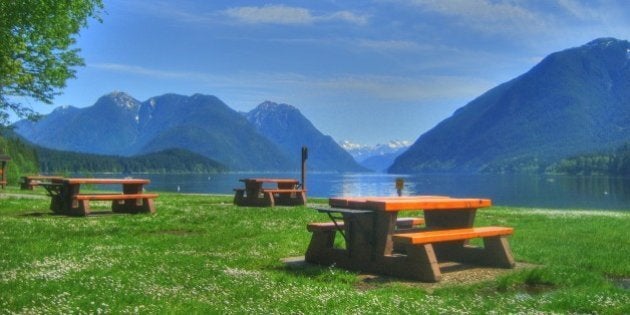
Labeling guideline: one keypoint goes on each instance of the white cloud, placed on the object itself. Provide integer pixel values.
(404, 89)
(180, 11)
(280, 14)
(179, 76)
(268, 14)
(580, 11)
(488, 17)
(139, 70)
(485, 10)
(346, 16)
(390, 45)
(276, 14)
(382, 87)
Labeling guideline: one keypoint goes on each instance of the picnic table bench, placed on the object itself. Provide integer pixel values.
(66, 197)
(375, 242)
(285, 191)
(4, 159)
(29, 182)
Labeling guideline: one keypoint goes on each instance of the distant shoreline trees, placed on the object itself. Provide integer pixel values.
(162, 162)
(616, 163)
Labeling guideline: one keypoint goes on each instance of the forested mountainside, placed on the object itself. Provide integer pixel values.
(615, 163)
(285, 126)
(573, 102)
(118, 124)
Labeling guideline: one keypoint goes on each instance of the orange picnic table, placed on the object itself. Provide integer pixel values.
(376, 242)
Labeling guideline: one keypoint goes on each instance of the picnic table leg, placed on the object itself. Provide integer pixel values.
(300, 198)
(285, 198)
(497, 252)
(70, 204)
(147, 206)
(142, 205)
(133, 205)
(297, 197)
(239, 197)
(252, 192)
(56, 204)
(360, 242)
(321, 251)
(451, 219)
(268, 200)
(255, 197)
(384, 226)
(25, 183)
(320, 247)
(419, 263)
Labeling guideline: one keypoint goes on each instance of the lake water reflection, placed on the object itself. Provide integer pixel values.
(566, 192)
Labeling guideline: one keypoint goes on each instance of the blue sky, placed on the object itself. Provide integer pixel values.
(360, 70)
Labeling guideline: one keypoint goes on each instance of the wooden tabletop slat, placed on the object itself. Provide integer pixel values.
(270, 180)
(409, 203)
(97, 181)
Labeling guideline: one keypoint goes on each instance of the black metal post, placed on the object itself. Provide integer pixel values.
(304, 158)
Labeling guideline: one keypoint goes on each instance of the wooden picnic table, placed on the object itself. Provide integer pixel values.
(66, 196)
(283, 191)
(374, 242)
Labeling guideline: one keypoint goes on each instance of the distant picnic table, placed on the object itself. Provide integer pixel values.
(378, 241)
(283, 191)
(4, 160)
(67, 198)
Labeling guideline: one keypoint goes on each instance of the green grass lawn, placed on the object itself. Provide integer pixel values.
(201, 254)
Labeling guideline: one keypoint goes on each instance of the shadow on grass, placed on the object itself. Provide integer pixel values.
(97, 213)
(299, 267)
(622, 283)
(453, 274)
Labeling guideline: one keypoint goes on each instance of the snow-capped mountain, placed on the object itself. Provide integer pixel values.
(376, 157)
(361, 152)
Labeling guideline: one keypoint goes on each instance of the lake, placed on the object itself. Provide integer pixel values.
(564, 192)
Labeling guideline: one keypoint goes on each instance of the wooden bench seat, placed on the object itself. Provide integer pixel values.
(284, 196)
(120, 202)
(115, 196)
(424, 250)
(271, 197)
(282, 191)
(437, 236)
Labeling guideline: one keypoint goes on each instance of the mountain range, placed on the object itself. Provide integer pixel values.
(118, 124)
(574, 101)
(376, 157)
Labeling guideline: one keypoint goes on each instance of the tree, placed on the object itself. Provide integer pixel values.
(36, 50)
